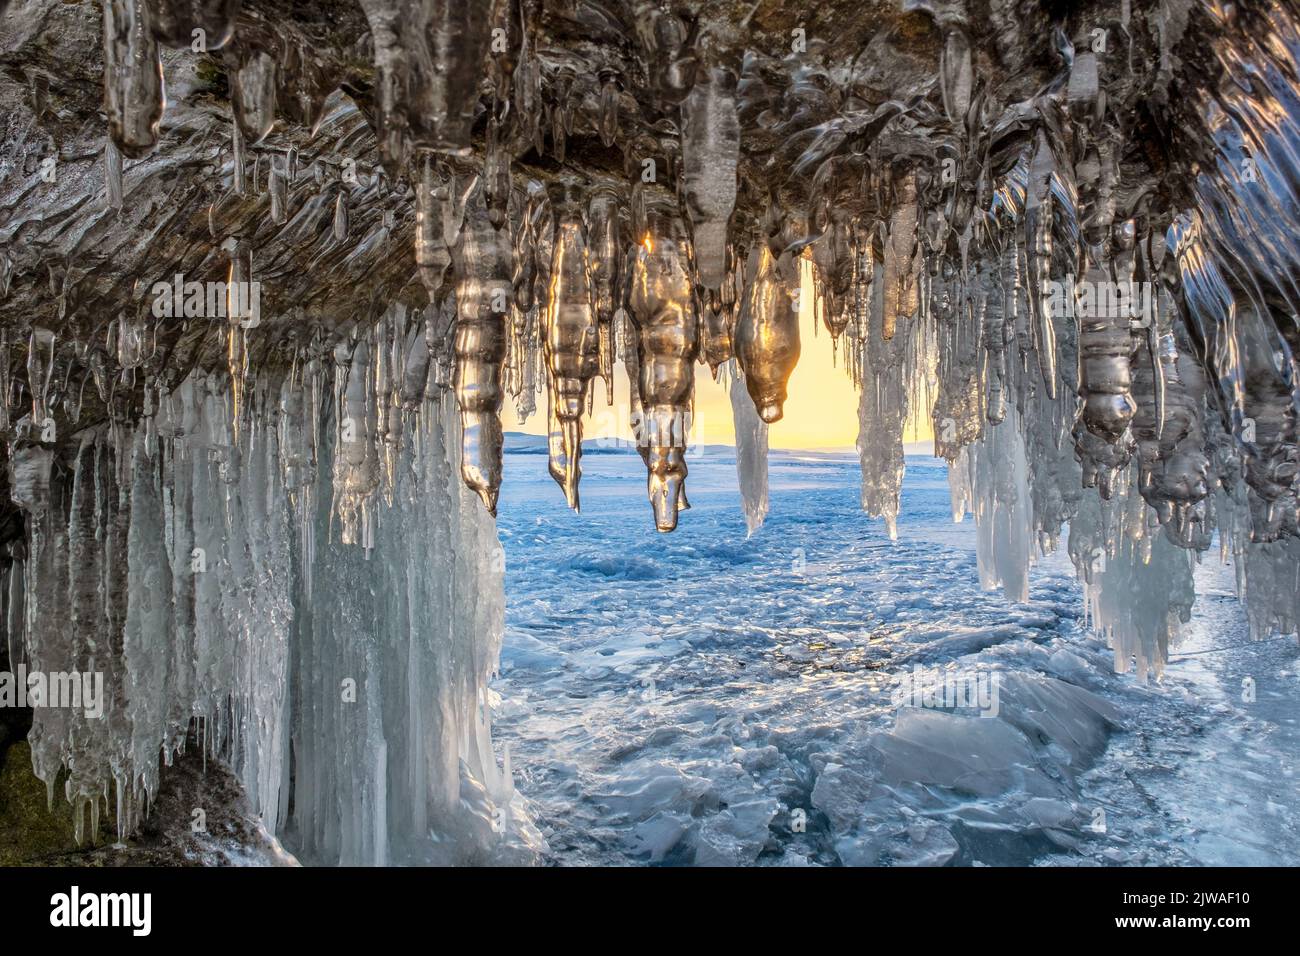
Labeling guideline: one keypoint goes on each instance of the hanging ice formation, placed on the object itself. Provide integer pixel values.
(751, 453)
(662, 307)
(571, 334)
(429, 56)
(133, 77)
(710, 145)
(766, 339)
(1086, 279)
(1133, 312)
(483, 295)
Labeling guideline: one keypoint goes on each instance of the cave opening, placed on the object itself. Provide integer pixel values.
(280, 582)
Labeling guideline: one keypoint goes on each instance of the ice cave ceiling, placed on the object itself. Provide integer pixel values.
(1069, 229)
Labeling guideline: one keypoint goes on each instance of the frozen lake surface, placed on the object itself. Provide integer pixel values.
(701, 698)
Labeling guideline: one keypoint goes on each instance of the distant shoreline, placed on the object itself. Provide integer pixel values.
(524, 443)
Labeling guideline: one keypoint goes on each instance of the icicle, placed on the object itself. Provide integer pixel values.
(252, 93)
(356, 462)
(133, 80)
(955, 76)
(631, 347)
(864, 273)
(496, 176)
(112, 176)
(560, 113)
(29, 478)
(240, 622)
(278, 188)
(606, 260)
(40, 372)
(241, 314)
(710, 150)
(751, 453)
(834, 257)
(341, 221)
(1004, 515)
(131, 337)
(527, 103)
(6, 384)
(388, 416)
(901, 287)
(1272, 587)
(572, 339)
(888, 383)
(1106, 349)
(415, 366)
(1038, 248)
(439, 214)
(483, 297)
(238, 161)
(1270, 429)
(440, 336)
(431, 252)
(666, 44)
(1137, 587)
(610, 96)
(542, 228)
(767, 335)
(993, 322)
(519, 348)
(716, 345)
(429, 57)
(296, 439)
(661, 302)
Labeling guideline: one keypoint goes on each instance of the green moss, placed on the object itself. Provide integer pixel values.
(209, 72)
(29, 830)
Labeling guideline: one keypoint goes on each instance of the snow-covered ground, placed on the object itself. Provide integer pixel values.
(701, 698)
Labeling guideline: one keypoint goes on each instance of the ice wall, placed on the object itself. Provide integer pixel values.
(413, 626)
(209, 580)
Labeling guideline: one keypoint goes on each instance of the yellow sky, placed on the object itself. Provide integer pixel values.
(821, 411)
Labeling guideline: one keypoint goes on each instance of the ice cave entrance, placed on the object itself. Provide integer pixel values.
(704, 697)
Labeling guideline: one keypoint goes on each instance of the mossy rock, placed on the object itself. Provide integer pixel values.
(30, 830)
(33, 834)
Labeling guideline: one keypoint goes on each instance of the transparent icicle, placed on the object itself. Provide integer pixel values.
(751, 453)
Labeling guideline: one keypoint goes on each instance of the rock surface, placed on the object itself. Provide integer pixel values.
(191, 794)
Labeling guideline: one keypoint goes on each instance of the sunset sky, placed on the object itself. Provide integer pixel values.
(821, 412)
